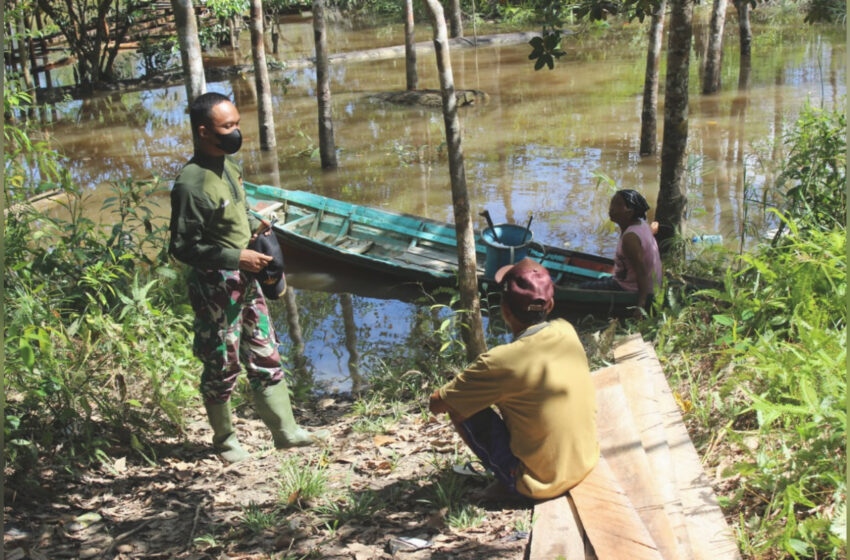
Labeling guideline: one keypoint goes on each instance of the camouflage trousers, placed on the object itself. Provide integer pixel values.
(232, 325)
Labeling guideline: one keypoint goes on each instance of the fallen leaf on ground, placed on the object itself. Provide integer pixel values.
(380, 440)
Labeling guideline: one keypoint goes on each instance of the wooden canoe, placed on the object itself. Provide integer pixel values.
(404, 247)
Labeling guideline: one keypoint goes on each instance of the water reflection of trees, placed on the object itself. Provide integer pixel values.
(152, 127)
(365, 337)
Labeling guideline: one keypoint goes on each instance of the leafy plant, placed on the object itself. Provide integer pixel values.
(98, 346)
(301, 483)
(814, 177)
(466, 516)
(758, 365)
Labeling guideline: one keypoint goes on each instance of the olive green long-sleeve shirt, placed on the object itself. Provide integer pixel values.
(210, 221)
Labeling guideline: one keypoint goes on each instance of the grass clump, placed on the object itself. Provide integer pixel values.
(301, 483)
(256, 520)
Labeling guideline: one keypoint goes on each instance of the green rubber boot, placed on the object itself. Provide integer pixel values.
(224, 436)
(272, 404)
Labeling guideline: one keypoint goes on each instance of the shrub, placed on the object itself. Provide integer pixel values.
(98, 345)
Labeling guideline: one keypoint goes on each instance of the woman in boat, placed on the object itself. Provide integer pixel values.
(637, 263)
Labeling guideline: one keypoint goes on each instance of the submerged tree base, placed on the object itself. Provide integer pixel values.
(432, 97)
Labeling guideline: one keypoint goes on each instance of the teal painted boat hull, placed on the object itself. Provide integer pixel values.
(411, 248)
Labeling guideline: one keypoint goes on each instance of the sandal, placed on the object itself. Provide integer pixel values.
(473, 468)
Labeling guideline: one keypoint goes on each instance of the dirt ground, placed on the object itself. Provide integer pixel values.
(188, 504)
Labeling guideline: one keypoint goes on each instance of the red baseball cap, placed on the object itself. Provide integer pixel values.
(526, 284)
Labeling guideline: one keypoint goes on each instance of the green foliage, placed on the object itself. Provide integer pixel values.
(217, 32)
(31, 165)
(826, 11)
(98, 349)
(546, 49)
(761, 362)
(814, 177)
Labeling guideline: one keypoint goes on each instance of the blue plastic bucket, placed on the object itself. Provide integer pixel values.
(511, 247)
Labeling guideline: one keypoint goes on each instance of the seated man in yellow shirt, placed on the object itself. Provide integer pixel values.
(543, 440)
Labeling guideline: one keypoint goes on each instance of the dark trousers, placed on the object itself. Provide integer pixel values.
(487, 435)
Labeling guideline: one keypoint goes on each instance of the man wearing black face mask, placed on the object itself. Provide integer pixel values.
(210, 231)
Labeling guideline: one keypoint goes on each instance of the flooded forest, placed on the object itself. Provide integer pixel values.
(741, 159)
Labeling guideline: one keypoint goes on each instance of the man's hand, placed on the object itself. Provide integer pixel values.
(436, 404)
(265, 228)
(253, 261)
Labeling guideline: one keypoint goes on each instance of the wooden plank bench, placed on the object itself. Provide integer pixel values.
(708, 533)
(648, 497)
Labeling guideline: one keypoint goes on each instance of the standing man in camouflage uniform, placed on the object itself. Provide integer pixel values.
(210, 231)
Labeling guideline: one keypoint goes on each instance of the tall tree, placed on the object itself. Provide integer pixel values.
(410, 47)
(746, 41)
(648, 119)
(672, 201)
(190, 48)
(714, 54)
(261, 77)
(456, 18)
(472, 329)
(327, 147)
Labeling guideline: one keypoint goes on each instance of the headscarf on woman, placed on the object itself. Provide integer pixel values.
(635, 201)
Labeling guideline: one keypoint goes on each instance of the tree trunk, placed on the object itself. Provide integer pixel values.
(22, 50)
(746, 36)
(671, 193)
(48, 82)
(472, 329)
(265, 113)
(190, 49)
(714, 55)
(456, 19)
(327, 148)
(410, 47)
(350, 331)
(648, 116)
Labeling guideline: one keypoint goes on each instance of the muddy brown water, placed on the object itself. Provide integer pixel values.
(551, 144)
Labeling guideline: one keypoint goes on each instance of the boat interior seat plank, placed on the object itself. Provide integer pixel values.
(318, 220)
(425, 262)
(352, 245)
(294, 224)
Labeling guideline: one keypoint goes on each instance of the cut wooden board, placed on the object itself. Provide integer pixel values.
(637, 383)
(609, 519)
(556, 532)
(709, 534)
(621, 445)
